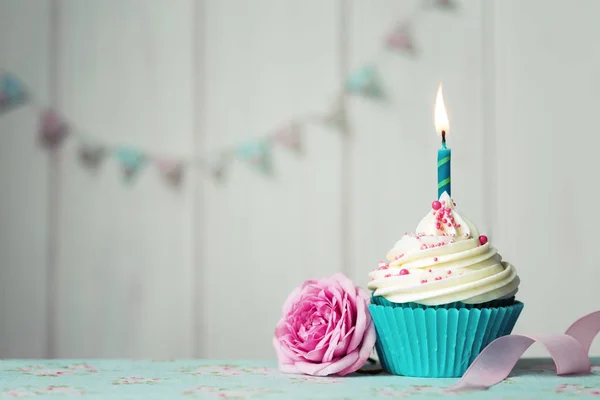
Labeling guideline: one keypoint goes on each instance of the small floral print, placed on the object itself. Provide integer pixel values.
(230, 370)
(543, 368)
(135, 380)
(404, 392)
(18, 392)
(314, 379)
(39, 370)
(30, 392)
(260, 371)
(227, 393)
(577, 389)
(217, 370)
(60, 389)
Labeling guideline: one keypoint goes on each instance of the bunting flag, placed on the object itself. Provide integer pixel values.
(91, 154)
(217, 166)
(131, 160)
(53, 129)
(365, 81)
(289, 136)
(257, 153)
(12, 92)
(445, 3)
(400, 39)
(171, 170)
(337, 117)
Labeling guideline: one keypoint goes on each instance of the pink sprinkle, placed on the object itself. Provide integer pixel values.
(428, 270)
(448, 210)
(387, 275)
(431, 246)
(458, 226)
(436, 205)
(443, 202)
(440, 216)
(435, 259)
(452, 219)
(423, 280)
(424, 247)
(438, 225)
(438, 278)
(449, 272)
(404, 271)
(483, 239)
(449, 225)
(445, 221)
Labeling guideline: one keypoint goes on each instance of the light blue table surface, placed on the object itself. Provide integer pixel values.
(207, 379)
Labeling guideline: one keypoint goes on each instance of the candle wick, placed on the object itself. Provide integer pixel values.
(444, 139)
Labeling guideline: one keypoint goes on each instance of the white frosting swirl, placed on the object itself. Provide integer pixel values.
(443, 262)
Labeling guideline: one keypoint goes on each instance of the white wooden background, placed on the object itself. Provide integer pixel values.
(90, 267)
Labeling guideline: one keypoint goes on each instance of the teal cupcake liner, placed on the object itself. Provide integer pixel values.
(437, 342)
(382, 301)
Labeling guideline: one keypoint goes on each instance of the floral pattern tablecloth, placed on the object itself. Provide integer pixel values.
(210, 379)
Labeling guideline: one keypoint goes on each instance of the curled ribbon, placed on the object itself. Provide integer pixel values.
(569, 351)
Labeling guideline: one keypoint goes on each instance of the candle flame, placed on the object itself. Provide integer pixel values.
(441, 118)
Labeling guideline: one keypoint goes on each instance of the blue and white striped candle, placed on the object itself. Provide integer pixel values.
(444, 154)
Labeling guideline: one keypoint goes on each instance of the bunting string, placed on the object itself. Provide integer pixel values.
(365, 81)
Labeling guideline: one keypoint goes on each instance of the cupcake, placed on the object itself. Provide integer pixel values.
(443, 296)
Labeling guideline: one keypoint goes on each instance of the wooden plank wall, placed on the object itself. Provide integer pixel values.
(93, 267)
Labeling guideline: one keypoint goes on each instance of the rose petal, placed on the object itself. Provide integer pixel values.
(288, 369)
(363, 319)
(291, 300)
(345, 283)
(342, 347)
(365, 351)
(335, 338)
(328, 368)
(316, 355)
(363, 293)
(281, 355)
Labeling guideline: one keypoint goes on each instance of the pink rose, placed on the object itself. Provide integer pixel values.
(326, 328)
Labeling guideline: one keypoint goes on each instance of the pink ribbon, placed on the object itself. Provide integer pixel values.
(569, 351)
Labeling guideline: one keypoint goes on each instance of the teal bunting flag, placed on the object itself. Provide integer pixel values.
(12, 92)
(365, 82)
(257, 153)
(131, 160)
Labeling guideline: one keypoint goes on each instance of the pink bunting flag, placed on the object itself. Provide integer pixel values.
(444, 3)
(289, 136)
(569, 351)
(400, 39)
(171, 170)
(53, 129)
